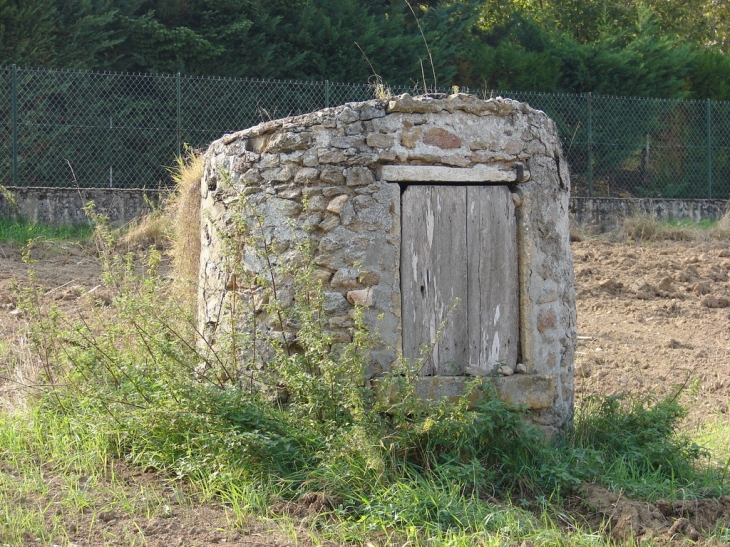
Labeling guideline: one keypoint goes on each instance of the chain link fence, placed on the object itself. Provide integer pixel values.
(106, 130)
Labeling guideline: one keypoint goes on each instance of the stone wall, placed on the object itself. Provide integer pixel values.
(56, 206)
(604, 214)
(336, 177)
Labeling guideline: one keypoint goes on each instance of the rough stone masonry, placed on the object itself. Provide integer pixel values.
(337, 177)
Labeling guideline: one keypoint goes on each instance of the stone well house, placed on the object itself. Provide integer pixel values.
(419, 209)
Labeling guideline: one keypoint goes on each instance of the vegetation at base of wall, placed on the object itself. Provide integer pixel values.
(648, 228)
(134, 380)
(19, 232)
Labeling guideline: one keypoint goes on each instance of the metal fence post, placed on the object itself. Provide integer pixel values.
(326, 93)
(15, 123)
(709, 149)
(179, 143)
(590, 145)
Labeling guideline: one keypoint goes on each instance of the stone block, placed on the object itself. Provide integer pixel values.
(362, 297)
(335, 302)
(288, 142)
(359, 176)
(534, 391)
(306, 175)
(369, 279)
(369, 112)
(479, 173)
(336, 204)
(378, 140)
(332, 175)
(441, 138)
(325, 155)
(410, 136)
(348, 115)
(345, 278)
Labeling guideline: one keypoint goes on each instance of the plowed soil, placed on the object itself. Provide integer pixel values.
(654, 317)
(651, 317)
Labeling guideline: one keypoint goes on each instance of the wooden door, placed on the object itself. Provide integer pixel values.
(459, 279)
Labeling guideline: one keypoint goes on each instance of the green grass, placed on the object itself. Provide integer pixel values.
(706, 224)
(642, 450)
(715, 435)
(40, 450)
(55, 481)
(19, 232)
(373, 497)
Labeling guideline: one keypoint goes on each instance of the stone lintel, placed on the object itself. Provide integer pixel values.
(535, 391)
(484, 174)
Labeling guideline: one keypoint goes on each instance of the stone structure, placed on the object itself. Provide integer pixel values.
(343, 177)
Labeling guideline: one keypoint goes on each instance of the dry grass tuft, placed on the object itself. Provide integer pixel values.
(649, 228)
(578, 233)
(20, 368)
(721, 230)
(150, 230)
(183, 215)
(174, 226)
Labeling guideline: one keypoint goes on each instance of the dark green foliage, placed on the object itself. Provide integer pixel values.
(308, 39)
(708, 76)
(634, 60)
(657, 49)
(638, 60)
(515, 55)
(76, 34)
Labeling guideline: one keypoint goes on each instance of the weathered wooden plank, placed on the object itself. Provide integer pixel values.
(493, 282)
(434, 276)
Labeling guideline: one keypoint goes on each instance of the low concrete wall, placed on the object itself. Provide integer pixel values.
(604, 214)
(57, 206)
(64, 206)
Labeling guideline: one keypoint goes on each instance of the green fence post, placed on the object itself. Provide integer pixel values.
(709, 149)
(326, 93)
(590, 145)
(179, 143)
(15, 124)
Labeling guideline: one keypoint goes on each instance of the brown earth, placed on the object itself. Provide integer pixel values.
(679, 523)
(650, 317)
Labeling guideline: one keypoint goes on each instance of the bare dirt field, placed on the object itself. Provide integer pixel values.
(650, 317)
(653, 316)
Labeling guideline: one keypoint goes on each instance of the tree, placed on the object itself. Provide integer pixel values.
(305, 39)
(75, 34)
